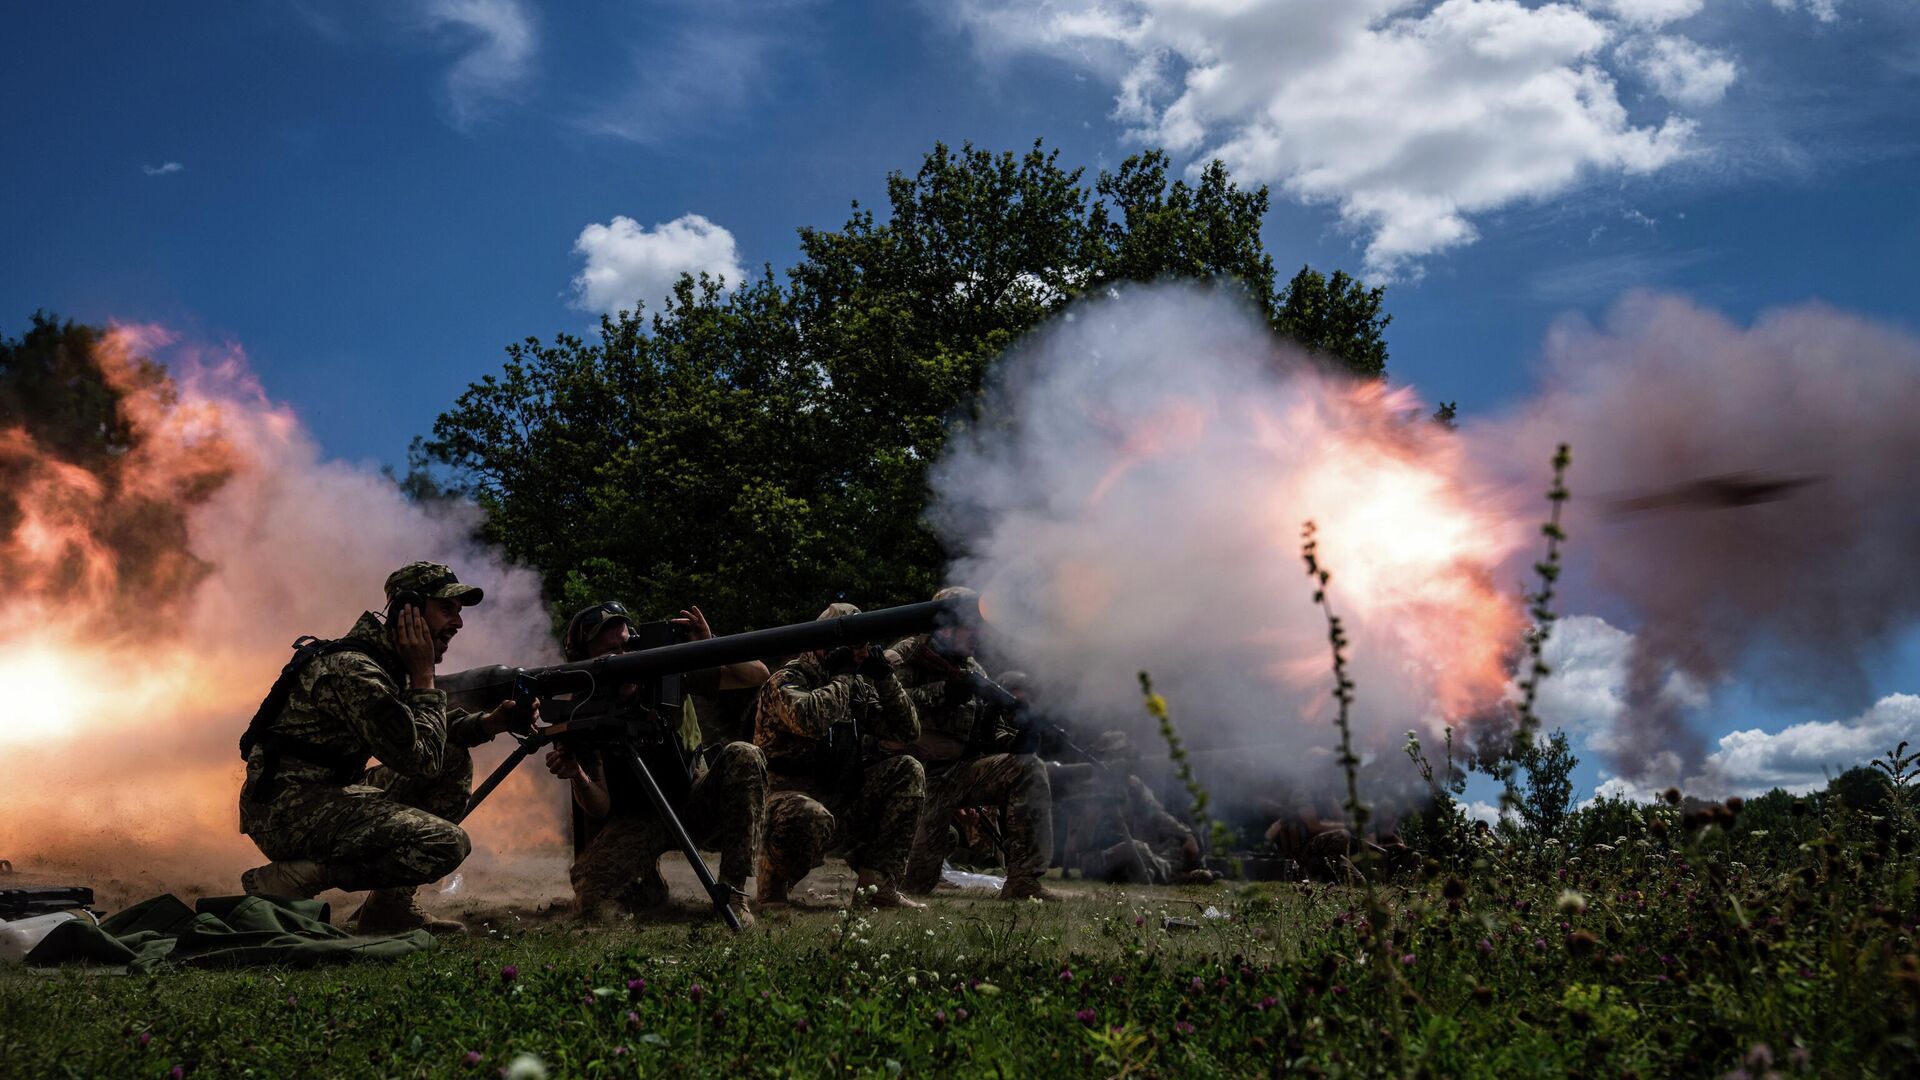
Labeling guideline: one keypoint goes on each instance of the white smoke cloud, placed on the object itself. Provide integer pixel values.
(627, 262)
(168, 169)
(1133, 499)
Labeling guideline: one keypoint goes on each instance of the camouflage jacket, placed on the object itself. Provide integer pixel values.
(946, 726)
(799, 705)
(354, 703)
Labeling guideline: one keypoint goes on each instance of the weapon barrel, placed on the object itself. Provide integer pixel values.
(484, 687)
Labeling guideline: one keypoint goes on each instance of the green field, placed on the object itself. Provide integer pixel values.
(1778, 941)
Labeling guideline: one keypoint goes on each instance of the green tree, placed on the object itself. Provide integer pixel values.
(764, 451)
(1339, 318)
(1547, 800)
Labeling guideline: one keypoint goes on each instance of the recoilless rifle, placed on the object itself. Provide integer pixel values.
(593, 714)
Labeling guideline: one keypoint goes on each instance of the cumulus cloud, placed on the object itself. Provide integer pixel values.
(1799, 758)
(1411, 118)
(168, 169)
(502, 39)
(627, 261)
(1683, 71)
(1587, 692)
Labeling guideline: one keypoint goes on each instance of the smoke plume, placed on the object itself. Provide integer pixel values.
(148, 597)
(1750, 494)
(1133, 496)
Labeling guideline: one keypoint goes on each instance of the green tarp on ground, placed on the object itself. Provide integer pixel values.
(222, 931)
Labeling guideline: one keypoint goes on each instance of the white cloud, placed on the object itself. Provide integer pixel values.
(1683, 71)
(698, 63)
(1586, 693)
(1799, 758)
(168, 169)
(628, 262)
(494, 68)
(1824, 10)
(1410, 118)
(1648, 12)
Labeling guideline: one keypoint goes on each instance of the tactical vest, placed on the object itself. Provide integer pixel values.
(344, 767)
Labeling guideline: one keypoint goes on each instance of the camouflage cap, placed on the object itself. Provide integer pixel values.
(434, 581)
(837, 611)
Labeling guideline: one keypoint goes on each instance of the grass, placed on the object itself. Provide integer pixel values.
(1704, 951)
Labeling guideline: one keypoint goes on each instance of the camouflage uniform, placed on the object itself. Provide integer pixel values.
(876, 811)
(958, 776)
(391, 826)
(725, 811)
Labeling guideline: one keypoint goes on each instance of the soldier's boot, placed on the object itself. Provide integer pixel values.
(297, 879)
(397, 910)
(647, 891)
(742, 910)
(769, 885)
(1028, 888)
(876, 889)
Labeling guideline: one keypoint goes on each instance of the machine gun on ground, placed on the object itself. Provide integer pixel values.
(579, 696)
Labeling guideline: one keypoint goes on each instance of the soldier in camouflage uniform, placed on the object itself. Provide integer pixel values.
(724, 808)
(1115, 828)
(966, 751)
(832, 724)
(310, 802)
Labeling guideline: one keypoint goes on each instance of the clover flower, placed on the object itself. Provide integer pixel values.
(1087, 1017)
(696, 992)
(636, 987)
(1183, 1028)
(471, 1057)
(509, 973)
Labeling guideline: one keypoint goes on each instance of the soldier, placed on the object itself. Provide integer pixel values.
(1115, 827)
(309, 800)
(823, 719)
(725, 804)
(967, 753)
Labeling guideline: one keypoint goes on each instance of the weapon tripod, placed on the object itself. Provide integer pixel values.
(617, 739)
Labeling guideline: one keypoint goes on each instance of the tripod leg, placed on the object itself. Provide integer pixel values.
(719, 894)
(520, 753)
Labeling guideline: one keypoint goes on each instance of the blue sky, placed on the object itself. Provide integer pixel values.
(373, 199)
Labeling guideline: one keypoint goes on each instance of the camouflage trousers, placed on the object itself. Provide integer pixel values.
(725, 812)
(387, 831)
(876, 822)
(1013, 784)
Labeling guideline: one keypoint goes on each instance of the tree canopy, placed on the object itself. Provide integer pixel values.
(761, 448)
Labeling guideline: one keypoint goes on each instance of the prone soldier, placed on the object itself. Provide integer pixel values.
(822, 720)
(309, 801)
(968, 751)
(724, 803)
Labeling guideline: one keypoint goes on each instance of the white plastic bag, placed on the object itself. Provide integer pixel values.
(18, 938)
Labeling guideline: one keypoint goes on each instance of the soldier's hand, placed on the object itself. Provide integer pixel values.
(415, 644)
(694, 623)
(840, 661)
(562, 764)
(874, 665)
(509, 716)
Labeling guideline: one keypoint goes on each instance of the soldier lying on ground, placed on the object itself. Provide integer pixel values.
(821, 720)
(309, 800)
(724, 804)
(967, 751)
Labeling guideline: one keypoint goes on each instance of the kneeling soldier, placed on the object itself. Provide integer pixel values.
(969, 763)
(824, 720)
(309, 800)
(724, 803)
